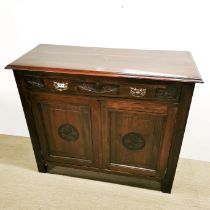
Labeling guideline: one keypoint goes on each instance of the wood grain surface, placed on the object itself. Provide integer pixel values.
(146, 64)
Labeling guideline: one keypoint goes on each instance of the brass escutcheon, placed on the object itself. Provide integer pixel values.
(61, 86)
(138, 92)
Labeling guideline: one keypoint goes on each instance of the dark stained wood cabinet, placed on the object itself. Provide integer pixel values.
(108, 114)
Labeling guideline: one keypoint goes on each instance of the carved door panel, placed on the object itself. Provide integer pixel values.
(137, 136)
(66, 129)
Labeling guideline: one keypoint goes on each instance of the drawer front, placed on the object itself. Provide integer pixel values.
(104, 87)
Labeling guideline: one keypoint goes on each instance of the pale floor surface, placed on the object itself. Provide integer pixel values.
(23, 188)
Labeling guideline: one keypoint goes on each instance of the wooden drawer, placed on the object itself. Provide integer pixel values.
(104, 87)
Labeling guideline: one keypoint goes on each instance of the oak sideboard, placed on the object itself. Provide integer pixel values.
(115, 115)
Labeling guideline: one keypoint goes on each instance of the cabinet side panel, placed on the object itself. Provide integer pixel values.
(30, 122)
(180, 125)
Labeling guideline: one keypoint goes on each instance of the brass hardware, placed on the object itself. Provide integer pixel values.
(61, 86)
(138, 92)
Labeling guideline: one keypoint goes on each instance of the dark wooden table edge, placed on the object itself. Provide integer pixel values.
(104, 73)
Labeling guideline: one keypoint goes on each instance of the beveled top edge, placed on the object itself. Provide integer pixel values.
(105, 74)
(111, 62)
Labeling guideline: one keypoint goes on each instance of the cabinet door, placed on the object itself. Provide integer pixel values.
(137, 136)
(65, 128)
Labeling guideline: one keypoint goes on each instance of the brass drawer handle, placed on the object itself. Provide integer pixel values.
(61, 86)
(138, 92)
(99, 88)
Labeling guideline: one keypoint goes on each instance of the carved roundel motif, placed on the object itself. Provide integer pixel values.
(133, 141)
(68, 132)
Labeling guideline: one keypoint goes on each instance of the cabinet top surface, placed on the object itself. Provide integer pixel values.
(145, 64)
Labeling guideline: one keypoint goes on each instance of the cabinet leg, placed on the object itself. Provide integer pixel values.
(42, 168)
(166, 188)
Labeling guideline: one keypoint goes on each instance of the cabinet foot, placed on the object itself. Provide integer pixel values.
(166, 188)
(42, 168)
